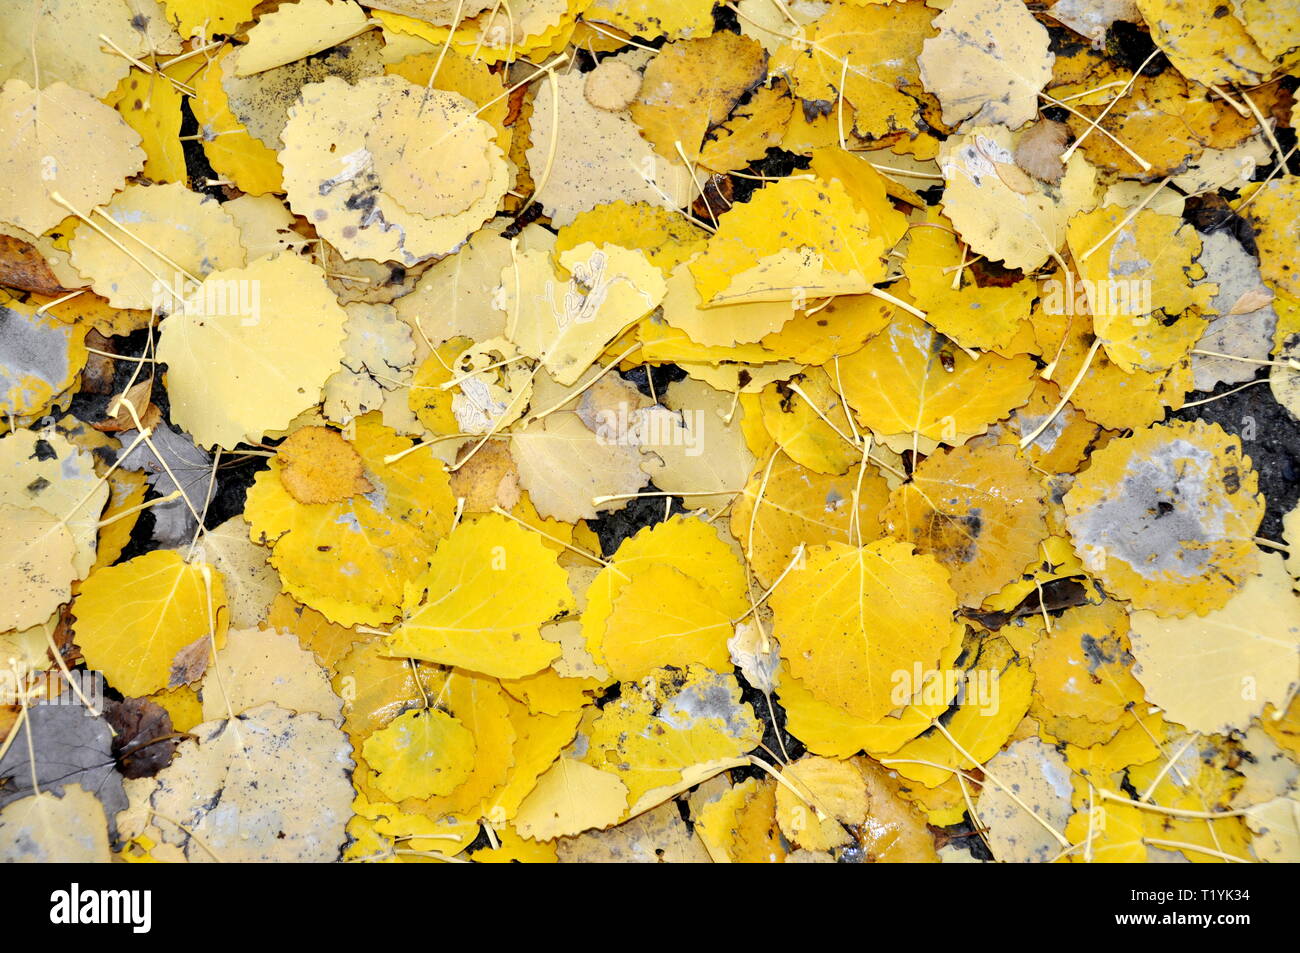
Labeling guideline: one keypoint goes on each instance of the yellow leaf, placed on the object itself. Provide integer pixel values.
(978, 509)
(434, 175)
(868, 55)
(1141, 320)
(80, 148)
(988, 63)
(278, 344)
(232, 150)
(295, 32)
(900, 383)
(420, 754)
(1202, 44)
(1166, 517)
(830, 795)
(257, 666)
(654, 18)
(793, 239)
(670, 721)
(690, 546)
(350, 560)
(152, 107)
(173, 604)
(665, 237)
(566, 322)
(851, 617)
(740, 826)
(692, 86)
(1254, 657)
(571, 797)
(1001, 212)
(36, 570)
(663, 617)
(489, 588)
(798, 505)
(972, 315)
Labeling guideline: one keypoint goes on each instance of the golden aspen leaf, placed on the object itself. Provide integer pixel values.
(1276, 831)
(350, 560)
(190, 230)
(868, 55)
(672, 720)
(294, 32)
(654, 18)
(793, 239)
(64, 37)
(421, 753)
(691, 87)
(266, 785)
(958, 307)
(1166, 517)
(720, 327)
(1139, 282)
(665, 237)
(549, 693)
(659, 836)
(1108, 832)
(281, 333)
(999, 211)
(662, 617)
(1083, 666)
(900, 382)
(797, 505)
(566, 324)
(1270, 213)
(537, 27)
(571, 797)
(36, 570)
(979, 509)
(173, 604)
(998, 690)
(595, 157)
(852, 616)
(740, 826)
(40, 359)
(1214, 673)
(829, 795)
(81, 149)
(490, 586)
(319, 466)
(257, 666)
(690, 546)
(1202, 44)
(45, 470)
(814, 432)
(830, 731)
(64, 828)
(867, 187)
(251, 584)
(988, 63)
(389, 171)
(233, 151)
(152, 107)
(835, 327)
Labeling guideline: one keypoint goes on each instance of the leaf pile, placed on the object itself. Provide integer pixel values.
(598, 430)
